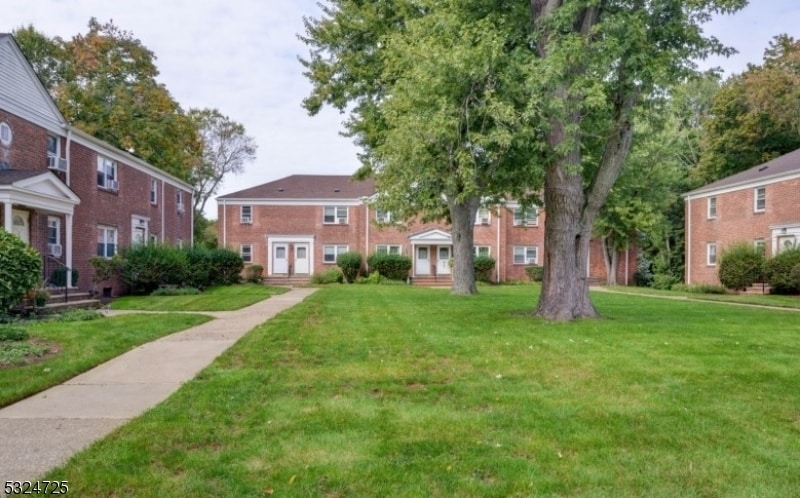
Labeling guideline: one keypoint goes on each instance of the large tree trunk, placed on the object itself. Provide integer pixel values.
(463, 218)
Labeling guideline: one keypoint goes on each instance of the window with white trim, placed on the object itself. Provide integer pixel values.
(760, 199)
(711, 254)
(246, 215)
(483, 216)
(246, 252)
(388, 249)
(331, 252)
(760, 246)
(53, 146)
(153, 238)
(382, 216)
(106, 241)
(335, 215)
(526, 217)
(5, 134)
(712, 208)
(107, 173)
(53, 230)
(481, 251)
(153, 191)
(179, 201)
(525, 255)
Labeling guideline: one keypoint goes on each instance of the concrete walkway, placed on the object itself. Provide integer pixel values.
(43, 431)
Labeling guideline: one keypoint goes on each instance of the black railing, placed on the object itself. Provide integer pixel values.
(57, 276)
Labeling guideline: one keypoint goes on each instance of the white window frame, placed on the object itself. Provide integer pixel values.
(712, 208)
(153, 191)
(246, 215)
(53, 139)
(522, 217)
(179, 201)
(53, 223)
(153, 238)
(246, 252)
(759, 197)
(332, 215)
(107, 237)
(332, 250)
(6, 136)
(711, 254)
(523, 251)
(483, 216)
(388, 249)
(476, 251)
(382, 216)
(107, 173)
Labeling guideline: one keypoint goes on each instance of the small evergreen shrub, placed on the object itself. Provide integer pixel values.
(350, 263)
(21, 269)
(740, 266)
(58, 277)
(779, 272)
(146, 267)
(483, 268)
(9, 333)
(644, 272)
(331, 276)
(199, 268)
(226, 267)
(535, 272)
(390, 266)
(254, 274)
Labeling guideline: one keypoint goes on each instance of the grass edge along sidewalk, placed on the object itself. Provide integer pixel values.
(378, 391)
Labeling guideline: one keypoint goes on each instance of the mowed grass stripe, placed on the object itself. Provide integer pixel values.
(397, 391)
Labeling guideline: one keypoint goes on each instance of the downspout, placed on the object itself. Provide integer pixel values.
(499, 223)
(68, 154)
(627, 261)
(225, 223)
(191, 217)
(366, 248)
(163, 219)
(688, 248)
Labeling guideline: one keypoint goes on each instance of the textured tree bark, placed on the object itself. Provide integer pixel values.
(463, 218)
(611, 260)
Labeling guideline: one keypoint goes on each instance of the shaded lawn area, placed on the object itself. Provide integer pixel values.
(222, 298)
(82, 345)
(775, 300)
(397, 391)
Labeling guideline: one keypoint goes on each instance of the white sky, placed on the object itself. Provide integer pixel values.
(240, 56)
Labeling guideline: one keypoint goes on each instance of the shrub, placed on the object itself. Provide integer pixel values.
(778, 271)
(483, 268)
(175, 291)
(58, 277)
(146, 267)
(664, 281)
(226, 267)
(350, 263)
(535, 272)
(740, 266)
(77, 315)
(21, 266)
(254, 274)
(331, 276)
(706, 289)
(644, 272)
(372, 278)
(198, 272)
(390, 266)
(8, 333)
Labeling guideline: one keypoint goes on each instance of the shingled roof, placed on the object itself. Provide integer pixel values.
(768, 172)
(307, 187)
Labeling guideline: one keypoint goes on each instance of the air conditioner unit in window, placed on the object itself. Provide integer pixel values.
(343, 221)
(246, 219)
(181, 208)
(56, 163)
(484, 221)
(54, 250)
(112, 184)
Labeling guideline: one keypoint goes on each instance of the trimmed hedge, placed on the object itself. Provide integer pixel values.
(350, 263)
(740, 266)
(254, 274)
(535, 272)
(483, 268)
(390, 266)
(779, 272)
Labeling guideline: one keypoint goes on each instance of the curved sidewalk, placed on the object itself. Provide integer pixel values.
(43, 431)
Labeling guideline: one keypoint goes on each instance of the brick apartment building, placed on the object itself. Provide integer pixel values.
(296, 226)
(68, 194)
(760, 206)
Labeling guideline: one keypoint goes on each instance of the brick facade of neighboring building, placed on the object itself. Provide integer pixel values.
(759, 206)
(282, 226)
(70, 195)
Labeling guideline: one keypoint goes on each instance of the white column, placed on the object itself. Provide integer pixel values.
(68, 252)
(9, 221)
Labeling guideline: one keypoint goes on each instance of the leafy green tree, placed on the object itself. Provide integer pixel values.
(20, 269)
(226, 150)
(106, 86)
(740, 266)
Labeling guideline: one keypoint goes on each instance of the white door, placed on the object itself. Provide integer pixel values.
(21, 225)
(785, 243)
(423, 263)
(443, 261)
(301, 259)
(280, 259)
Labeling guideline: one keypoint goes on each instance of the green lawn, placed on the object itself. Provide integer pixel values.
(366, 391)
(83, 345)
(753, 299)
(223, 298)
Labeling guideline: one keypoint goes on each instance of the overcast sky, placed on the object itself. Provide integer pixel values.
(240, 56)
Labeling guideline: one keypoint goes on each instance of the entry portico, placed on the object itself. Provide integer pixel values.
(432, 250)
